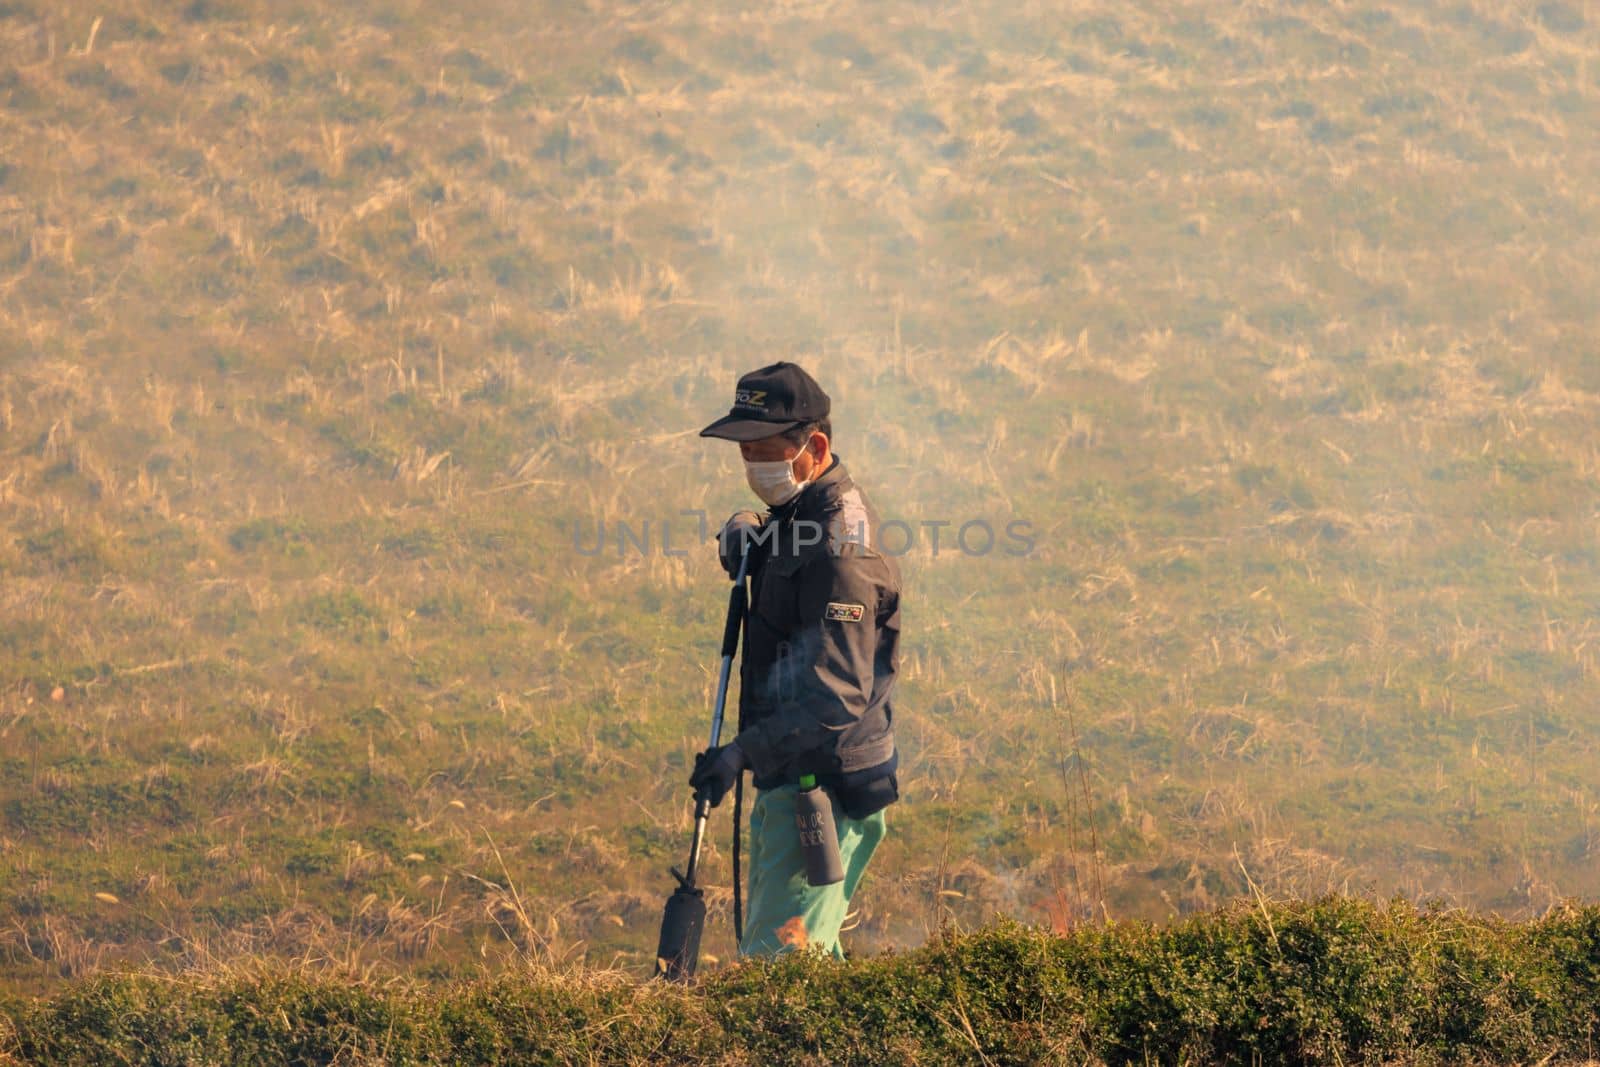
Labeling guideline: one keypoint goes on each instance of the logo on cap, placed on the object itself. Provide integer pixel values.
(750, 398)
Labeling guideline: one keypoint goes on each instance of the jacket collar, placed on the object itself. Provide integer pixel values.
(816, 494)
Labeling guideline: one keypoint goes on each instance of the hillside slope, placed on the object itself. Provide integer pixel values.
(332, 333)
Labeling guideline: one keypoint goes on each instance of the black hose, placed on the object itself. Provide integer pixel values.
(738, 610)
(738, 895)
(735, 621)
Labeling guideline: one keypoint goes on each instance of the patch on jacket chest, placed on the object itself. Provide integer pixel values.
(845, 612)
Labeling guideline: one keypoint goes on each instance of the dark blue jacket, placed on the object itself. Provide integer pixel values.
(818, 670)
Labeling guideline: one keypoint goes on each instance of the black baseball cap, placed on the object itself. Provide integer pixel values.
(777, 397)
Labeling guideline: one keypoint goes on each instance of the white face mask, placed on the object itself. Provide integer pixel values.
(773, 480)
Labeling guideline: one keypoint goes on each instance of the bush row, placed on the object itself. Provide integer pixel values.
(1335, 981)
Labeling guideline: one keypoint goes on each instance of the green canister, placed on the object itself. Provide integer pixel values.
(819, 838)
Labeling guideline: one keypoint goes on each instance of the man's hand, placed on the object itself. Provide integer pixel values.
(715, 771)
(737, 538)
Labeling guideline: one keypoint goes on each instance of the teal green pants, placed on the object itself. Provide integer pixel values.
(785, 911)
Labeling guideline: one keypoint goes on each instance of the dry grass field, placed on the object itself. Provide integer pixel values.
(332, 333)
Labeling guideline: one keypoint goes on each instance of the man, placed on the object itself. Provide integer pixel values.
(819, 659)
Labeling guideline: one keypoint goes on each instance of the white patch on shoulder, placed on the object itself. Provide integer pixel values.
(846, 612)
(849, 525)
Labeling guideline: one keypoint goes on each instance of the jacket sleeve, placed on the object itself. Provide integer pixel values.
(824, 681)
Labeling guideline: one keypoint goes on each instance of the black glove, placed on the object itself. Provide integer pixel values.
(738, 537)
(715, 771)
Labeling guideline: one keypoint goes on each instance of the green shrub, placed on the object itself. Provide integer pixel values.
(1330, 981)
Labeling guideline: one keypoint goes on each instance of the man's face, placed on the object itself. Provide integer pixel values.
(767, 449)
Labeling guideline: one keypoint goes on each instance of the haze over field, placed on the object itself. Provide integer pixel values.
(332, 334)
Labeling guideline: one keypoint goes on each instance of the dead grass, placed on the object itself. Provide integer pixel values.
(318, 335)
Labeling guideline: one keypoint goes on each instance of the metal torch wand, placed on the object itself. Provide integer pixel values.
(678, 950)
